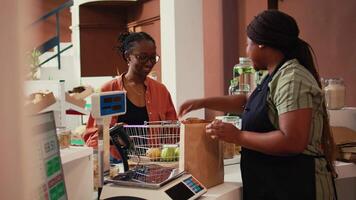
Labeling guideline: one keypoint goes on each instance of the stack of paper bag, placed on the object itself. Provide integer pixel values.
(345, 140)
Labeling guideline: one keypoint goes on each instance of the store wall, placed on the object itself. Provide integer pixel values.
(146, 17)
(220, 26)
(46, 29)
(329, 27)
(224, 41)
(246, 11)
(213, 51)
(100, 24)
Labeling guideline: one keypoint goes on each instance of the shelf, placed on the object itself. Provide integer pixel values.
(76, 110)
(345, 170)
(53, 107)
(74, 153)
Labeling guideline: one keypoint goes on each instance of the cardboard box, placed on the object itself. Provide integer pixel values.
(46, 100)
(345, 140)
(77, 102)
(343, 135)
(88, 91)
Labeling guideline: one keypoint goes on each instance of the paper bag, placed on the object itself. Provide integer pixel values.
(201, 155)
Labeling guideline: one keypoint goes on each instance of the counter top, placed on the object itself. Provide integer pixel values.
(232, 187)
(74, 153)
(224, 191)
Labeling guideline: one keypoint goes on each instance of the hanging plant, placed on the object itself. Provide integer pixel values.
(34, 65)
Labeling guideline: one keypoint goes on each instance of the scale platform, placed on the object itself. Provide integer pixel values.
(184, 187)
(146, 176)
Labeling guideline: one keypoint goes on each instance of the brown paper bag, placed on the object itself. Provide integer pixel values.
(201, 155)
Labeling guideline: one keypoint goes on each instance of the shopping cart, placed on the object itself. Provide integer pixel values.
(151, 149)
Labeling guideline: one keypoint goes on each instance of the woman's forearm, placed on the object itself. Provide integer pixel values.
(233, 103)
(272, 143)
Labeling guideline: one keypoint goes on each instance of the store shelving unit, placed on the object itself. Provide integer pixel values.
(62, 107)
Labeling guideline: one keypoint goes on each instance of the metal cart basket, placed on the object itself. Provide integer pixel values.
(151, 149)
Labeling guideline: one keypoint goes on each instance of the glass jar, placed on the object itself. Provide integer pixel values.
(64, 137)
(230, 149)
(334, 93)
(233, 87)
(243, 74)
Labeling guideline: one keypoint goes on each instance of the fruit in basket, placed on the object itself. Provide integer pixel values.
(153, 153)
(168, 154)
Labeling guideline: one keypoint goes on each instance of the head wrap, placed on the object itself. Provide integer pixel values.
(275, 29)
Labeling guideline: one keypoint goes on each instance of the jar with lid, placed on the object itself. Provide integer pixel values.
(230, 149)
(233, 89)
(243, 74)
(334, 93)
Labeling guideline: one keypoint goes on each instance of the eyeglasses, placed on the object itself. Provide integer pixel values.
(145, 58)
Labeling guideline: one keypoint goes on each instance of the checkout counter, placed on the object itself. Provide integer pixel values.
(345, 183)
(232, 186)
(230, 189)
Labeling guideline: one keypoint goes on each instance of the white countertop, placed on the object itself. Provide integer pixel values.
(224, 191)
(74, 153)
(345, 170)
(233, 173)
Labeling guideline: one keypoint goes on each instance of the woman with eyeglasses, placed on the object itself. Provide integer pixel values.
(147, 99)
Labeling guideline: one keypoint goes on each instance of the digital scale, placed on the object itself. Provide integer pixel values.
(47, 159)
(107, 104)
(183, 187)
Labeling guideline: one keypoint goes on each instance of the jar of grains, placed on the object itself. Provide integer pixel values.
(334, 93)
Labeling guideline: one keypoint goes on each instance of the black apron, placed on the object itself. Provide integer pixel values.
(267, 177)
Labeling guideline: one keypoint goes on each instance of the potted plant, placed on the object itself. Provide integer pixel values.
(34, 65)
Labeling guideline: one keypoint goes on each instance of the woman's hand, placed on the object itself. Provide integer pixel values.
(120, 124)
(223, 131)
(93, 141)
(190, 105)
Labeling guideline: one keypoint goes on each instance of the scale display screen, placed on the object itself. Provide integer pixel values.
(179, 192)
(111, 104)
(184, 190)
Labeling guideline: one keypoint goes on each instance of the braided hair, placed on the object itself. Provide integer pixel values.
(127, 41)
(280, 31)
